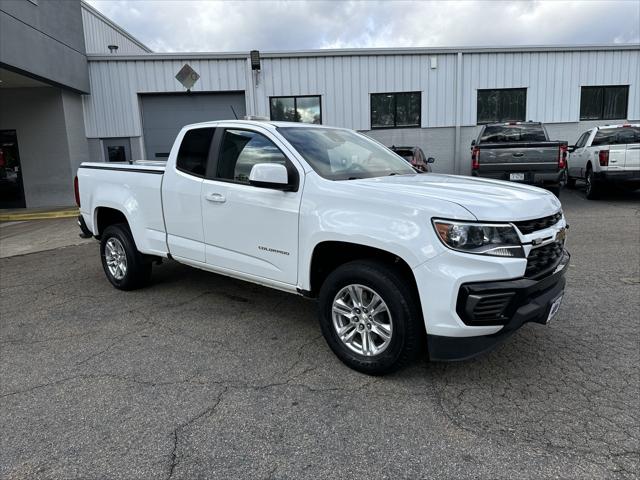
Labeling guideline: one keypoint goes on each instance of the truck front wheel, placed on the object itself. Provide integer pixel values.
(125, 267)
(369, 317)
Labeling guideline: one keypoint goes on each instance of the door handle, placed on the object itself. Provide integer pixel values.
(215, 197)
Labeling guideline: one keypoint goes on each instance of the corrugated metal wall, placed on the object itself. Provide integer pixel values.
(98, 34)
(552, 79)
(346, 83)
(113, 110)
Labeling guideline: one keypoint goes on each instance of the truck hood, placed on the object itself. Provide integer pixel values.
(491, 200)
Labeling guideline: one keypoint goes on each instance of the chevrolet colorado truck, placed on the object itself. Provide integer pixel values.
(401, 263)
(606, 155)
(519, 152)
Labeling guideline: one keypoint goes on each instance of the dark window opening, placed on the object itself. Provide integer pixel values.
(604, 102)
(194, 151)
(502, 105)
(396, 110)
(305, 109)
(116, 154)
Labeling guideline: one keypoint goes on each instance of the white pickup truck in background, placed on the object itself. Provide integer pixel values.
(606, 155)
(394, 257)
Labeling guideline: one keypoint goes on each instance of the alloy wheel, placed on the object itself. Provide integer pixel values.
(362, 320)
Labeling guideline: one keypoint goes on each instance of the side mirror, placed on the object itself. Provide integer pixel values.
(269, 175)
(431, 160)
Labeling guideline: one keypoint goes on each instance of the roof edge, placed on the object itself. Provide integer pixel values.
(115, 26)
(345, 52)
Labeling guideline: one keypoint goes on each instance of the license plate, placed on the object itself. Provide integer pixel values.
(555, 306)
(515, 177)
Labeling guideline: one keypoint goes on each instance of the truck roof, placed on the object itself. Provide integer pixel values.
(259, 123)
(619, 125)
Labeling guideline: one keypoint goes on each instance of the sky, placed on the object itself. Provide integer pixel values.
(232, 26)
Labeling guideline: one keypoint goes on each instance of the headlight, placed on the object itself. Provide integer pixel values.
(500, 240)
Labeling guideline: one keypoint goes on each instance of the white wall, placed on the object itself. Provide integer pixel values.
(100, 32)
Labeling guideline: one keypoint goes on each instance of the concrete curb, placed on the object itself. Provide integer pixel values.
(17, 216)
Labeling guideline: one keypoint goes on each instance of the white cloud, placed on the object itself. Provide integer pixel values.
(278, 25)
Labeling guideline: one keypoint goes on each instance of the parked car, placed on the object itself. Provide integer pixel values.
(606, 155)
(519, 152)
(416, 157)
(328, 213)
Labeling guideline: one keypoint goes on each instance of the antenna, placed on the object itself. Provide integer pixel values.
(234, 112)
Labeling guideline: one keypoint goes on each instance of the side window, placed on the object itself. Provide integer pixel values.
(194, 151)
(241, 150)
(582, 140)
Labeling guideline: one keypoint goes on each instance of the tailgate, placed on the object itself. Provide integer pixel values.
(518, 157)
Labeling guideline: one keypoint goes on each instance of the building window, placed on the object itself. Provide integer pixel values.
(502, 105)
(395, 110)
(194, 151)
(604, 103)
(304, 108)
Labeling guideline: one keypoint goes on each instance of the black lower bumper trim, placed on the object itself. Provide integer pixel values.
(532, 301)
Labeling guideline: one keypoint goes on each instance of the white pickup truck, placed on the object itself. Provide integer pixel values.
(393, 256)
(606, 155)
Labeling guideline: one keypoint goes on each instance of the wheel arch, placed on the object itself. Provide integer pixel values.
(330, 254)
(104, 216)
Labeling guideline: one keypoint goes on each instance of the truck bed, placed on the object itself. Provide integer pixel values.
(136, 187)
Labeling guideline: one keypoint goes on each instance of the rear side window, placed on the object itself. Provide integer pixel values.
(513, 133)
(194, 151)
(241, 150)
(617, 136)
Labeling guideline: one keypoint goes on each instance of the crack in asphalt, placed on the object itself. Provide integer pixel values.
(174, 459)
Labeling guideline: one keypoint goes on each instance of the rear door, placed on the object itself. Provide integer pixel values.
(181, 195)
(247, 229)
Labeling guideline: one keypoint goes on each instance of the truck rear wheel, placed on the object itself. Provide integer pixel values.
(369, 317)
(125, 267)
(592, 189)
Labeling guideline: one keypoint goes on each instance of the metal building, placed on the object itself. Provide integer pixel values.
(434, 98)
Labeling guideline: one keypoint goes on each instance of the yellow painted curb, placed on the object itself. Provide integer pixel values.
(15, 217)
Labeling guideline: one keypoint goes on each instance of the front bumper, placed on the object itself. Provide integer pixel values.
(518, 302)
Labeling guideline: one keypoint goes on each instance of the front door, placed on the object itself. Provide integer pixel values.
(247, 229)
(11, 188)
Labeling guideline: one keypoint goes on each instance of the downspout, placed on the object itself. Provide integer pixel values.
(457, 160)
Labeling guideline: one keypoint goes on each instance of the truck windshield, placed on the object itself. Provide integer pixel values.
(344, 155)
(513, 133)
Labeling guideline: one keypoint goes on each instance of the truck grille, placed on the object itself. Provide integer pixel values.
(543, 258)
(530, 226)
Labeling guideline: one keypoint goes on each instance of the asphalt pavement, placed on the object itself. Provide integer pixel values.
(201, 376)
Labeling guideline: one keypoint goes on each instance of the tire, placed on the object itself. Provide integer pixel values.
(402, 317)
(117, 243)
(571, 182)
(592, 190)
(555, 190)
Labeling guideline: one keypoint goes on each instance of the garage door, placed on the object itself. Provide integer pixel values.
(164, 115)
